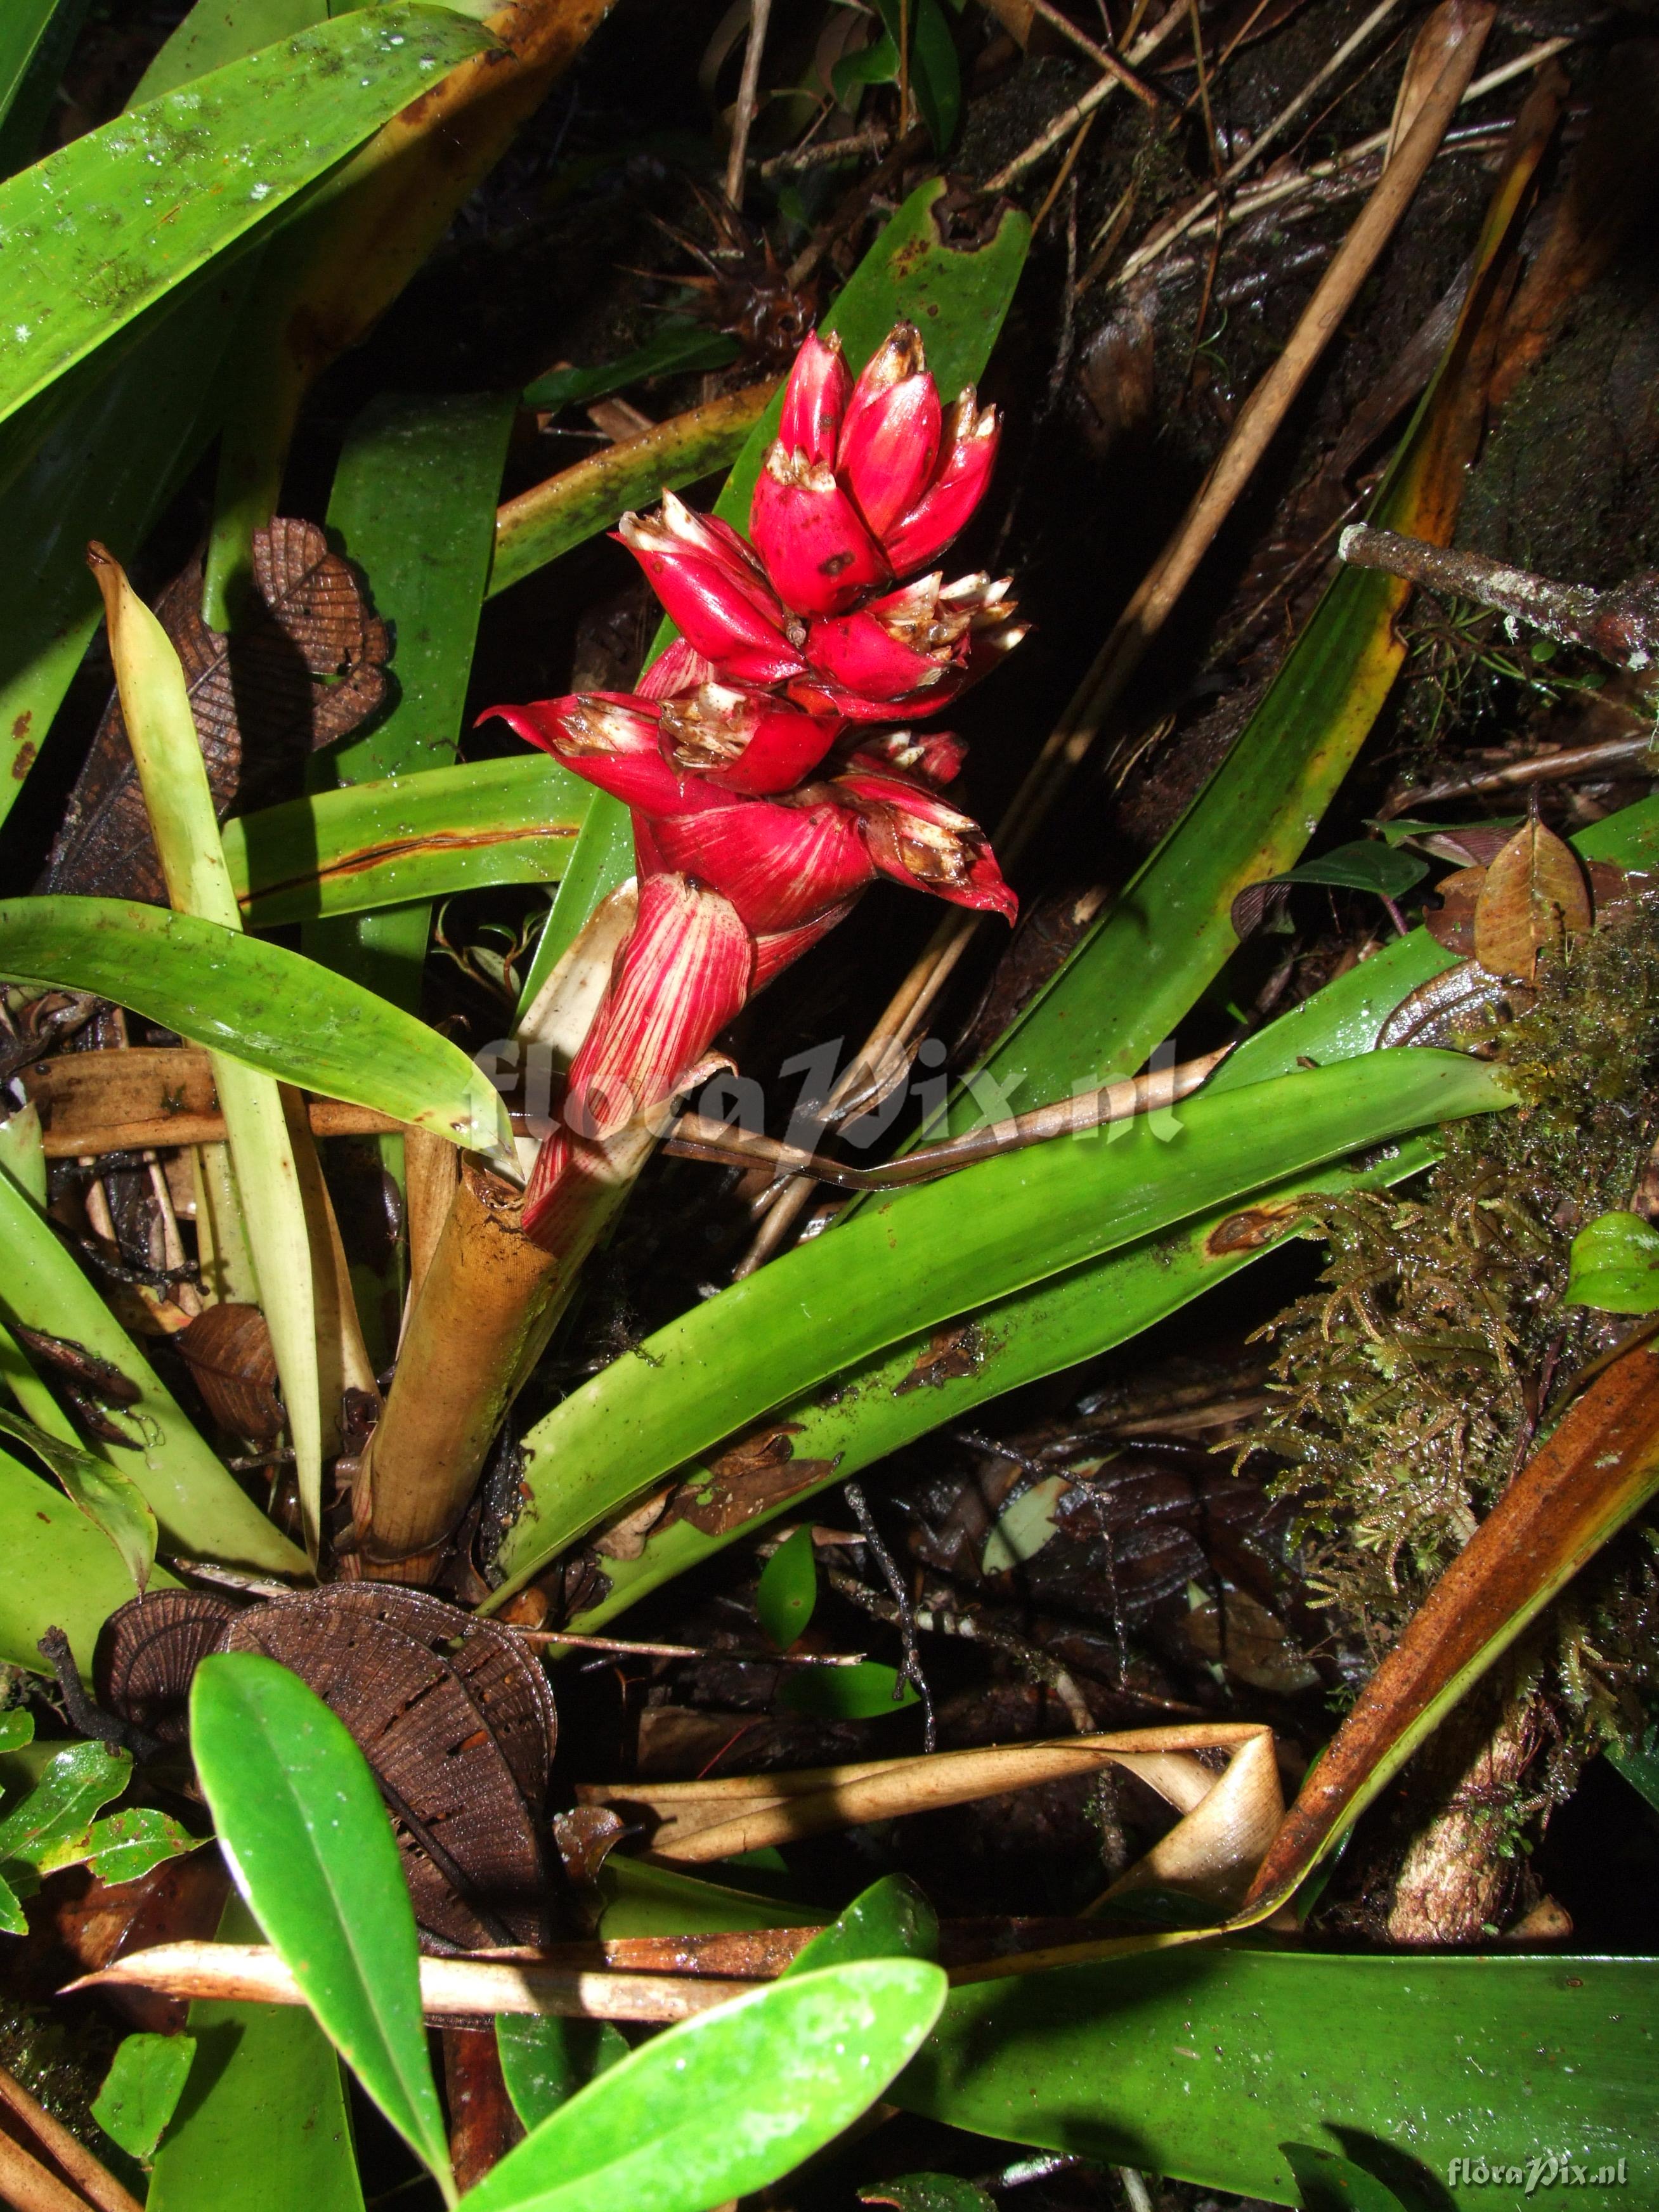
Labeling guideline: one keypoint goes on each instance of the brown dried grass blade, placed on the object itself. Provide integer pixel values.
(451, 1989)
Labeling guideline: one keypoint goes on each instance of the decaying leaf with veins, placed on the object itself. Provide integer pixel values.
(308, 669)
(1533, 895)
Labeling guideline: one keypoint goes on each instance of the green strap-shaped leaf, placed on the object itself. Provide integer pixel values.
(727, 2103)
(874, 1407)
(202, 1509)
(990, 1231)
(414, 505)
(265, 2103)
(111, 1501)
(102, 229)
(958, 299)
(36, 40)
(299, 1818)
(214, 33)
(272, 1009)
(1201, 2063)
(395, 840)
(23, 27)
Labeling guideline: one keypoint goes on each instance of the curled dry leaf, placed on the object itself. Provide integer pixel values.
(1533, 895)
(307, 668)
(228, 1351)
(454, 1715)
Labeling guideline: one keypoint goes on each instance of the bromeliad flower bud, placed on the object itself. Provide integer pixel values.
(910, 653)
(745, 741)
(869, 481)
(717, 592)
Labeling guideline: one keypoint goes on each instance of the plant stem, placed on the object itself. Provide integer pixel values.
(1622, 624)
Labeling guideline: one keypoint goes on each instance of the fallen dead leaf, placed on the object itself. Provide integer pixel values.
(228, 1351)
(1535, 894)
(308, 669)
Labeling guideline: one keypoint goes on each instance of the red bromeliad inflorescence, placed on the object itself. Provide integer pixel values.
(763, 800)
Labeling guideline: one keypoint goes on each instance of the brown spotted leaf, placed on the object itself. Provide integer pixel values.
(228, 1351)
(308, 669)
(1535, 894)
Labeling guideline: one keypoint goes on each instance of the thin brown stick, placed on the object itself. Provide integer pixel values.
(1102, 57)
(1064, 176)
(696, 1137)
(1253, 200)
(686, 1651)
(748, 91)
(1544, 768)
(1131, 635)
(1067, 121)
(1184, 218)
(89, 2173)
(28, 2187)
(1622, 624)
(328, 1118)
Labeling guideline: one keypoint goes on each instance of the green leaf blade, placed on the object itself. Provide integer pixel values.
(141, 2090)
(301, 1821)
(903, 1266)
(724, 2104)
(111, 223)
(788, 1589)
(273, 1009)
(265, 2102)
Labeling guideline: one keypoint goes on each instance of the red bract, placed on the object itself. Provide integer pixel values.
(750, 841)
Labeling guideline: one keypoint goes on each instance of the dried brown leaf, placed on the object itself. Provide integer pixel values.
(233, 1366)
(1535, 894)
(308, 669)
(1451, 924)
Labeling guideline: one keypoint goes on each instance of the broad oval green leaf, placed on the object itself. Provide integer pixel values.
(141, 2089)
(272, 1009)
(725, 2103)
(1368, 864)
(546, 2059)
(265, 2102)
(891, 1919)
(1615, 1265)
(788, 1589)
(301, 1821)
(76, 1780)
(107, 225)
(863, 1693)
(900, 1267)
(1199, 2064)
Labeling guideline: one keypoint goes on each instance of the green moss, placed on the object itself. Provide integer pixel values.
(1407, 1389)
